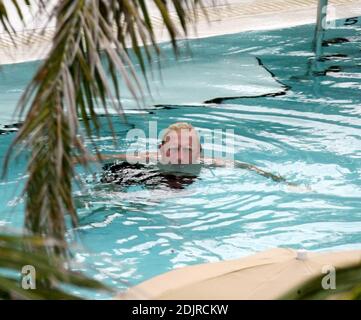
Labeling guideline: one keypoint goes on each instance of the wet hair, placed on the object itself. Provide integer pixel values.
(178, 126)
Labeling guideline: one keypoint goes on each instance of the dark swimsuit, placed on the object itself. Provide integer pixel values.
(128, 174)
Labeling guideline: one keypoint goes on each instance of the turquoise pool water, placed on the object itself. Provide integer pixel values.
(310, 134)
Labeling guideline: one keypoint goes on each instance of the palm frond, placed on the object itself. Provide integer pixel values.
(91, 41)
(5, 18)
(51, 276)
(348, 286)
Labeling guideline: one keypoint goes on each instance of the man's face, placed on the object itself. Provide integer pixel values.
(180, 147)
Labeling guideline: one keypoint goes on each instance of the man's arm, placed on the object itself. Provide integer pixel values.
(144, 156)
(277, 178)
(261, 172)
(100, 157)
(247, 166)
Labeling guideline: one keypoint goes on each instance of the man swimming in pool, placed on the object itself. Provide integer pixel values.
(179, 154)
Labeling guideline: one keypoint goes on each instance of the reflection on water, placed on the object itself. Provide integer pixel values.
(311, 136)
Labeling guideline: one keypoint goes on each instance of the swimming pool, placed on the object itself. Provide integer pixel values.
(305, 127)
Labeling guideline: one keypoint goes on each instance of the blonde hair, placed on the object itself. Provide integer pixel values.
(178, 126)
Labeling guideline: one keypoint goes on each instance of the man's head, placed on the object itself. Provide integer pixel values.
(180, 144)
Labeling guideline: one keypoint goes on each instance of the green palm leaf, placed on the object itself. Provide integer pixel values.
(348, 286)
(91, 41)
(51, 275)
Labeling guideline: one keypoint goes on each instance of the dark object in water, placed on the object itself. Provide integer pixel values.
(221, 100)
(319, 73)
(322, 73)
(332, 57)
(334, 69)
(326, 43)
(14, 125)
(10, 128)
(7, 131)
(127, 174)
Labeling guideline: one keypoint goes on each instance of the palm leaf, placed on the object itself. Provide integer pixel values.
(4, 16)
(71, 84)
(348, 286)
(51, 275)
